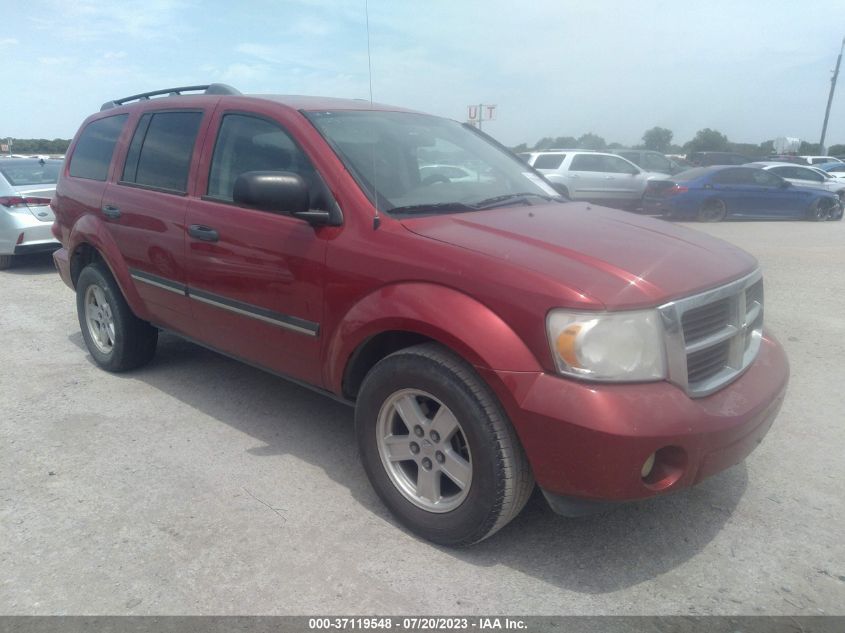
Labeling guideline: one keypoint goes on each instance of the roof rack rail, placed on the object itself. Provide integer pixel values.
(208, 89)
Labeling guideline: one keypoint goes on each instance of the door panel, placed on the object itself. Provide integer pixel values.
(255, 277)
(150, 232)
(257, 291)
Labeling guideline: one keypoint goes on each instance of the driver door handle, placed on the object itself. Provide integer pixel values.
(204, 233)
(111, 211)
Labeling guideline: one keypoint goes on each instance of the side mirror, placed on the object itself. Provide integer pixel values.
(278, 192)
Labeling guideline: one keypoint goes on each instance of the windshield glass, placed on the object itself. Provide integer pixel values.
(415, 163)
(21, 173)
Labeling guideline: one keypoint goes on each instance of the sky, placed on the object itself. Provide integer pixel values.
(754, 69)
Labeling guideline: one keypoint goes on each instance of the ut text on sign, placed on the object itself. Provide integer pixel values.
(481, 112)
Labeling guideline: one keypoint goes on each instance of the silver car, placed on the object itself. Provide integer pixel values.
(802, 176)
(595, 176)
(26, 186)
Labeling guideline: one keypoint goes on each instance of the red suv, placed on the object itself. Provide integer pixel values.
(488, 333)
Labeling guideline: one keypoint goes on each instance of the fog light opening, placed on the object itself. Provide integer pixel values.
(648, 466)
(664, 467)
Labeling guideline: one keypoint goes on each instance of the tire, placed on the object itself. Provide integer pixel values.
(428, 384)
(712, 210)
(6, 261)
(818, 211)
(121, 341)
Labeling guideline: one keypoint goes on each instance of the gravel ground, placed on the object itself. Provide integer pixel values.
(199, 485)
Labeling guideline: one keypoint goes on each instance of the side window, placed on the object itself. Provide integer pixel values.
(616, 165)
(808, 174)
(655, 162)
(246, 143)
(95, 147)
(549, 161)
(634, 157)
(765, 179)
(585, 162)
(731, 177)
(160, 153)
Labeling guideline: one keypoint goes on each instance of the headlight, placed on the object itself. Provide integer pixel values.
(621, 346)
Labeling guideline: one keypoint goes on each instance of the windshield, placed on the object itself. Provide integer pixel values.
(21, 173)
(415, 163)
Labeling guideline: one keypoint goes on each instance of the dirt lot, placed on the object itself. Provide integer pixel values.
(201, 485)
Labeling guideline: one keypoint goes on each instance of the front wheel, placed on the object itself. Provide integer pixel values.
(820, 210)
(115, 337)
(438, 448)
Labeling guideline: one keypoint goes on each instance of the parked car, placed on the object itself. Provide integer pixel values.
(26, 186)
(650, 160)
(817, 160)
(805, 176)
(489, 334)
(835, 169)
(706, 159)
(786, 158)
(712, 194)
(594, 176)
(447, 173)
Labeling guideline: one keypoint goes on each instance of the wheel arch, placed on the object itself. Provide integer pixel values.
(402, 315)
(89, 242)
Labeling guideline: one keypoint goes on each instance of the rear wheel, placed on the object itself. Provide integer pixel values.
(713, 210)
(5, 261)
(115, 337)
(437, 447)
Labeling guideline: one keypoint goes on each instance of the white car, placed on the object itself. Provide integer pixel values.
(595, 176)
(817, 160)
(448, 173)
(26, 220)
(802, 176)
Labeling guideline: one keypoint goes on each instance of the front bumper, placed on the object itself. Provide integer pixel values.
(589, 441)
(37, 235)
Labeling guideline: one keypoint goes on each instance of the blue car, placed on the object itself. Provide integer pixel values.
(711, 194)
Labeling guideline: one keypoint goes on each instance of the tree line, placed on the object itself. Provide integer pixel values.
(659, 139)
(36, 145)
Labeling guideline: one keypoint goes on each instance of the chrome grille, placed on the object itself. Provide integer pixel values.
(712, 337)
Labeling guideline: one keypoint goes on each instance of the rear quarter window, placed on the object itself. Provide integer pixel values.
(95, 147)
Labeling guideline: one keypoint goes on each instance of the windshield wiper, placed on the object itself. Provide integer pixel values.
(508, 198)
(433, 208)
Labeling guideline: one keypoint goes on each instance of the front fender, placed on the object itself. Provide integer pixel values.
(93, 231)
(452, 318)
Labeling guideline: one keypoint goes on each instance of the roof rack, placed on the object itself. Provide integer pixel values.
(208, 89)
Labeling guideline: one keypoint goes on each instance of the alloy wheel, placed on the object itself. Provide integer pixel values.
(424, 450)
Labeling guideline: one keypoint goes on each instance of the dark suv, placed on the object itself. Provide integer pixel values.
(488, 333)
(708, 159)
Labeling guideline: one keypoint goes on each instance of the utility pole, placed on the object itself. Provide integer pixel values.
(830, 97)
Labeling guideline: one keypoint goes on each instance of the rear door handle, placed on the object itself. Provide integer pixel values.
(204, 233)
(111, 211)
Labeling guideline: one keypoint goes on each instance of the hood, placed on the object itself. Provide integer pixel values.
(617, 258)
